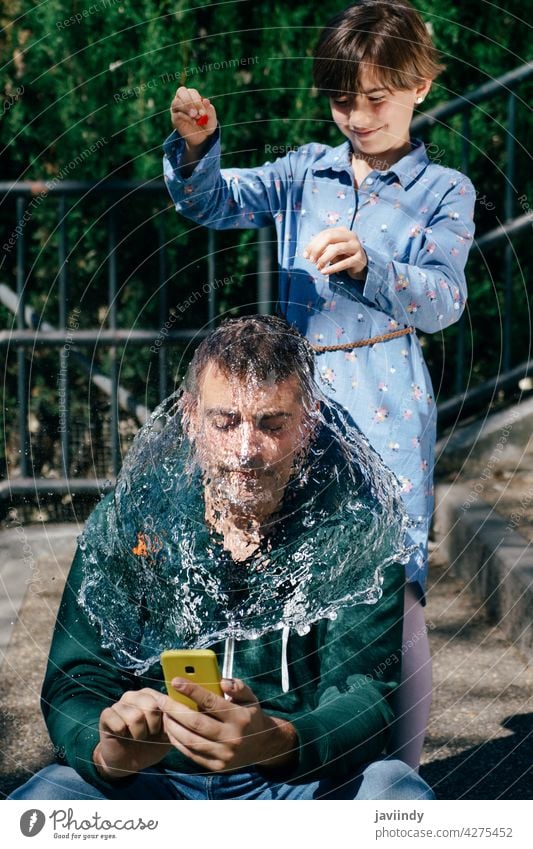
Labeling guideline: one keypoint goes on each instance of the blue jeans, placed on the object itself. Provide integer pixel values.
(382, 779)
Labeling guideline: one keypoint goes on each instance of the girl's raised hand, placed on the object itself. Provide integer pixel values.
(193, 116)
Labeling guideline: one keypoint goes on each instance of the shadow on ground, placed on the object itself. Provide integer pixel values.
(498, 769)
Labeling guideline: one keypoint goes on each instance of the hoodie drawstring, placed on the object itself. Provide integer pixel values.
(284, 662)
(229, 650)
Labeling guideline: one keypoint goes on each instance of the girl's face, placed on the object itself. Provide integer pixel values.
(376, 120)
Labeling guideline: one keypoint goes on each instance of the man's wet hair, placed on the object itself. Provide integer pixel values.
(388, 38)
(261, 348)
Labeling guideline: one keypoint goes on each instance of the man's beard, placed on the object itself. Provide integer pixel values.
(247, 491)
(239, 504)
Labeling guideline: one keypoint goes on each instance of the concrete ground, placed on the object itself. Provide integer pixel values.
(35, 563)
(479, 736)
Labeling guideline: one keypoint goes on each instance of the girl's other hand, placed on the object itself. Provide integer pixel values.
(337, 249)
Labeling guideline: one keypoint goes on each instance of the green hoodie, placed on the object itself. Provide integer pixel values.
(341, 673)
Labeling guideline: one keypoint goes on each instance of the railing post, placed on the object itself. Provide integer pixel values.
(461, 325)
(162, 355)
(22, 378)
(63, 382)
(264, 271)
(509, 253)
(113, 371)
(211, 278)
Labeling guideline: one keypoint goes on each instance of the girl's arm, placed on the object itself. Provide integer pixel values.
(235, 197)
(225, 198)
(429, 292)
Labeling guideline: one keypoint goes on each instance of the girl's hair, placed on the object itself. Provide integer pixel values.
(388, 38)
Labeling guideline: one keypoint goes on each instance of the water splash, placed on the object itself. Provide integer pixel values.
(156, 575)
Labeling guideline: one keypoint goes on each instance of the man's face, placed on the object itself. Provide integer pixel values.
(248, 436)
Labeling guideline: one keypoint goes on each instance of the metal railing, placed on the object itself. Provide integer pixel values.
(31, 332)
(511, 226)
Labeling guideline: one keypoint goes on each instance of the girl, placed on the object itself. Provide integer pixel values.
(372, 244)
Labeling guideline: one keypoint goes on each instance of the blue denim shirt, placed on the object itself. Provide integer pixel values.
(415, 223)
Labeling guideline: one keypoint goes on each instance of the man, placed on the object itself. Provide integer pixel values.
(308, 716)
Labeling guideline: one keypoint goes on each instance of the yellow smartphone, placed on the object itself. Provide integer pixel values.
(199, 666)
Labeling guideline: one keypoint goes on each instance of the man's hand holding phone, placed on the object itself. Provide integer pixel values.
(221, 728)
(227, 733)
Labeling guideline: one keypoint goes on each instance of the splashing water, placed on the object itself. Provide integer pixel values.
(156, 574)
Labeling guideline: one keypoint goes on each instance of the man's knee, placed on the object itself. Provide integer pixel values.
(393, 779)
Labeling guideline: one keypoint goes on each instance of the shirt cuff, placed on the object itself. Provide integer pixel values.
(312, 753)
(377, 274)
(82, 761)
(173, 148)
